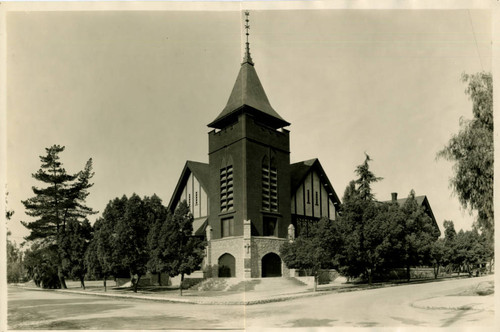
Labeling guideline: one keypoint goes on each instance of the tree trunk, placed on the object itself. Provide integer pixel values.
(159, 279)
(408, 276)
(436, 271)
(61, 278)
(105, 289)
(137, 283)
(182, 279)
(82, 281)
(315, 283)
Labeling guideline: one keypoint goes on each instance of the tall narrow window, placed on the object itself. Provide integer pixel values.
(227, 227)
(316, 196)
(270, 226)
(269, 185)
(308, 197)
(226, 188)
(196, 198)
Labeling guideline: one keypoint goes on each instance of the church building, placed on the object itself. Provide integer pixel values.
(248, 199)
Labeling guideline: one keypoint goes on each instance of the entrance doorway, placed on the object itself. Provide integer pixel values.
(227, 266)
(271, 265)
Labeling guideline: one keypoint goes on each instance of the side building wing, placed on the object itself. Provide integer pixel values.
(313, 196)
(193, 188)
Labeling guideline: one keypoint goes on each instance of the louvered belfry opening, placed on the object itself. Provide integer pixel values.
(269, 185)
(226, 188)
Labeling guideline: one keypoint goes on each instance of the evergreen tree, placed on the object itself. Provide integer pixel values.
(362, 229)
(365, 180)
(417, 235)
(62, 200)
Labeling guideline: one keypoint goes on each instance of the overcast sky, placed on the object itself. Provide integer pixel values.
(135, 91)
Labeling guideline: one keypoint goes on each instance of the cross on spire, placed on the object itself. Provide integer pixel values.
(247, 57)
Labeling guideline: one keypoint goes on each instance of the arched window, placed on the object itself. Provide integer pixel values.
(269, 184)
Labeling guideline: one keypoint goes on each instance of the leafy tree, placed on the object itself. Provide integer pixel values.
(92, 263)
(450, 246)
(438, 254)
(131, 239)
(471, 150)
(120, 241)
(39, 264)
(157, 242)
(73, 247)
(14, 261)
(304, 254)
(183, 252)
(14, 255)
(318, 251)
(62, 200)
(99, 255)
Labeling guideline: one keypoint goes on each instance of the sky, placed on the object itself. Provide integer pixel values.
(135, 90)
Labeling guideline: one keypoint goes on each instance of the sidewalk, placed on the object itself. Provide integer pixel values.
(195, 297)
(266, 292)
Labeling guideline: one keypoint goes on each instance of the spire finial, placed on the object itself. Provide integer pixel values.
(247, 57)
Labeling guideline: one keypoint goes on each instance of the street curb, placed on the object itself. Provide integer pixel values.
(186, 301)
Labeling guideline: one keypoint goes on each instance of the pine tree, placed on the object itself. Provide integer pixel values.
(62, 200)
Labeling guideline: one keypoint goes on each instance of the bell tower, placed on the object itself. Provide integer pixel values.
(249, 161)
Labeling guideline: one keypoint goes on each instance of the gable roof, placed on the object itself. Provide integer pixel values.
(199, 170)
(299, 171)
(421, 201)
(248, 94)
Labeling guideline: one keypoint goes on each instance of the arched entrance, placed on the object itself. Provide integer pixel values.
(271, 265)
(227, 266)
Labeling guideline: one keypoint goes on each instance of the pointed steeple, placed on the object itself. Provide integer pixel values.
(247, 58)
(248, 95)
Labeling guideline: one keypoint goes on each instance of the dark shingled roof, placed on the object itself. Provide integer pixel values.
(248, 94)
(199, 170)
(298, 172)
(421, 201)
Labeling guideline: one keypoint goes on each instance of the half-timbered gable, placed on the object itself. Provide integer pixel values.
(193, 188)
(313, 196)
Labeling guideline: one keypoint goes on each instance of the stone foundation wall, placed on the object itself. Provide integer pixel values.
(231, 245)
(261, 246)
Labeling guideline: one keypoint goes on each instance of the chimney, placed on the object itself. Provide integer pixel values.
(394, 196)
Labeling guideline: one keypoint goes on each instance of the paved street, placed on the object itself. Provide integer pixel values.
(422, 305)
